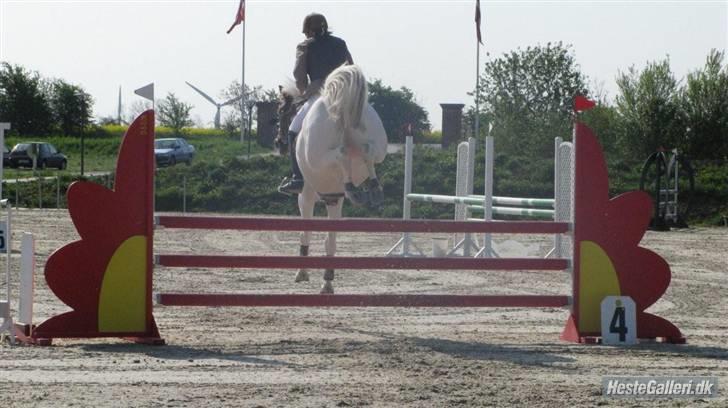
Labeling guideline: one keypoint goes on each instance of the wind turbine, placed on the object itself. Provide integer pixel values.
(118, 111)
(218, 105)
(119, 119)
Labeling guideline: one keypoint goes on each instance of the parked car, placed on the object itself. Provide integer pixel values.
(169, 152)
(46, 156)
(6, 156)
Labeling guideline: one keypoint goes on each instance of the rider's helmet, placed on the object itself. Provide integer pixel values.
(315, 23)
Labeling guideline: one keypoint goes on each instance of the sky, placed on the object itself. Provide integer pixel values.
(427, 46)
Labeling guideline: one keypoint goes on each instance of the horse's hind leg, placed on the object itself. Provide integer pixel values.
(334, 212)
(306, 203)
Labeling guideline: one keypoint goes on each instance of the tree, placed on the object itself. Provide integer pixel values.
(397, 108)
(137, 108)
(704, 103)
(649, 110)
(603, 120)
(107, 121)
(527, 95)
(231, 121)
(174, 113)
(23, 100)
(71, 107)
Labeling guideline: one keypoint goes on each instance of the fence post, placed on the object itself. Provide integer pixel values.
(488, 194)
(408, 148)
(557, 195)
(40, 193)
(184, 193)
(405, 241)
(58, 192)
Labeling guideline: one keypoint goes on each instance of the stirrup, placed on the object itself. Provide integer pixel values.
(290, 186)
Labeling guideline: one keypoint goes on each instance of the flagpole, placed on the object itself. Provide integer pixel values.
(477, 69)
(477, 89)
(242, 86)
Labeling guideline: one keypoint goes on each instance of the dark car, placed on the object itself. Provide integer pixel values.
(6, 156)
(46, 156)
(169, 152)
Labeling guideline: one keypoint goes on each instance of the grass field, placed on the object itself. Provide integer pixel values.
(221, 180)
(101, 149)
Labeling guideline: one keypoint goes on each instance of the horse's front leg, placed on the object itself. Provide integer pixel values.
(370, 192)
(306, 203)
(357, 195)
(373, 187)
(334, 212)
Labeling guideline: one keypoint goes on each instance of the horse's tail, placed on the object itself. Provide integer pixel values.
(345, 93)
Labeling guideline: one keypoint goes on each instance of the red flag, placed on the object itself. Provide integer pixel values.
(240, 17)
(477, 20)
(581, 103)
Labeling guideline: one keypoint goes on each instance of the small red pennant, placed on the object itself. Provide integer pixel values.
(581, 103)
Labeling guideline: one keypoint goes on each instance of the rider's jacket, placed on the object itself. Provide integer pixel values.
(316, 58)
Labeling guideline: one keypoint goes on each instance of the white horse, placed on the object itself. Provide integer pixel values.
(341, 140)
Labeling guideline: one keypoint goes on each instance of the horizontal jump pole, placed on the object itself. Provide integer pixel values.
(525, 212)
(520, 201)
(361, 225)
(444, 199)
(344, 300)
(480, 200)
(344, 262)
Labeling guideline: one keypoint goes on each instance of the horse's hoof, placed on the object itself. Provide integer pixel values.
(356, 195)
(327, 288)
(302, 276)
(376, 197)
(375, 193)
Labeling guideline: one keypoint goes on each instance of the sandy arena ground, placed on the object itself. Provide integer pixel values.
(365, 357)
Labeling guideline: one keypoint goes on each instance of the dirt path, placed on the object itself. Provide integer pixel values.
(365, 357)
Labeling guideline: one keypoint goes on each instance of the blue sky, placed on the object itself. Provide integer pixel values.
(428, 46)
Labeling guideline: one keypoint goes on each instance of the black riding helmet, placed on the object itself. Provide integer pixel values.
(315, 23)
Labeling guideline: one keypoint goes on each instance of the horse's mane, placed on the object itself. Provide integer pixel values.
(345, 93)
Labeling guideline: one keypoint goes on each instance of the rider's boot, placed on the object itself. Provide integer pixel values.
(294, 184)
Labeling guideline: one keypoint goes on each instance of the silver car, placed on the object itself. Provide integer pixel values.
(171, 151)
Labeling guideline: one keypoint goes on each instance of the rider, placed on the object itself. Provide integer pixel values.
(316, 57)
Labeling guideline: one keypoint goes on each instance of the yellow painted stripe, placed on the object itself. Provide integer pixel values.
(597, 279)
(122, 305)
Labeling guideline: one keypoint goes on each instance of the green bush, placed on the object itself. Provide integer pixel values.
(249, 186)
(434, 137)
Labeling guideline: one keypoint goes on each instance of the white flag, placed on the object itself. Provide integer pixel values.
(146, 92)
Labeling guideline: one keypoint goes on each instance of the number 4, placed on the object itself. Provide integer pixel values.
(618, 326)
(618, 320)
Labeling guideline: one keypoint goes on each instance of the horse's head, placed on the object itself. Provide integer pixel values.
(286, 111)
